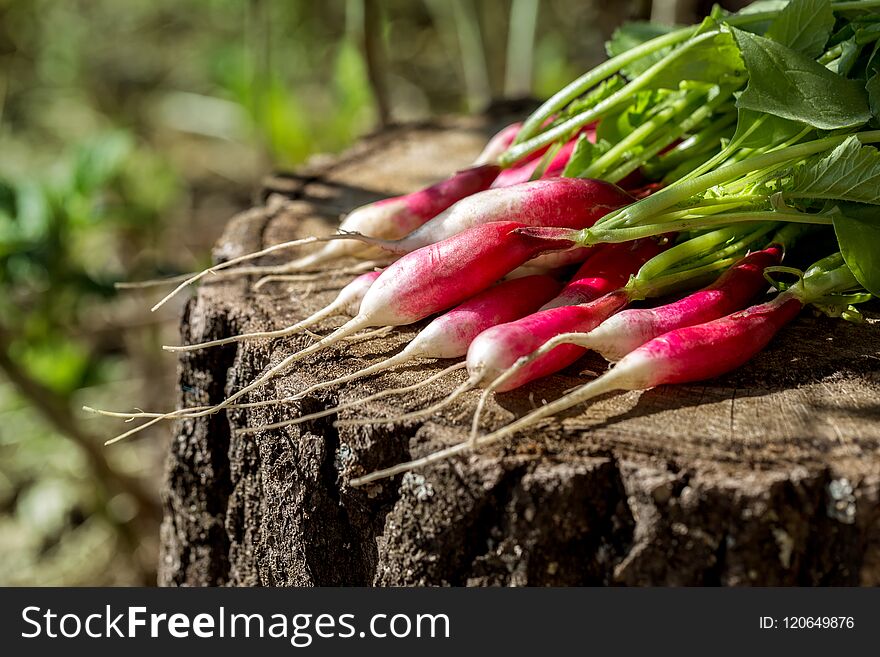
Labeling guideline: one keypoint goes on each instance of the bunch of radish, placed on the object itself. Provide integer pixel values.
(529, 258)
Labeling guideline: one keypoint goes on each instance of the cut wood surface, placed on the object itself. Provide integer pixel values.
(770, 475)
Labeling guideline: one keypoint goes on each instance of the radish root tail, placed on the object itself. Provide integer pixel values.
(600, 386)
(414, 415)
(341, 407)
(580, 339)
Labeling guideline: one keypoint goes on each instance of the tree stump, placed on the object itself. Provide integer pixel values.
(767, 476)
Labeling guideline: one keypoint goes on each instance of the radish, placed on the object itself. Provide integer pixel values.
(627, 330)
(684, 355)
(496, 350)
(499, 347)
(449, 335)
(392, 218)
(347, 302)
(422, 283)
(570, 203)
(574, 203)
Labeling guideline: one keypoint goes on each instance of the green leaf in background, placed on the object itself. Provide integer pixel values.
(99, 160)
(628, 36)
(788, 84)
(858, 232)
(804, 25)
(851, 172)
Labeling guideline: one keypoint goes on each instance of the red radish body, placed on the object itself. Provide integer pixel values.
(441, 275)
(627, 330)
(564, 203)
(450, 334)
(498, 349)
(558, 202)
(695, 353)
(607, 264)
(347, 302)
(495, 351)
(393, 218)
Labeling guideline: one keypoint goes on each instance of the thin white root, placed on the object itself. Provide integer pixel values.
(604, 384)
(328, 311)
(251, 256)
(386, 364)
(369, 335)
(280, 277)
(152, 282)
(580, 339)
(128, 416)
(414, 415)
(341, 407)
(348, 328)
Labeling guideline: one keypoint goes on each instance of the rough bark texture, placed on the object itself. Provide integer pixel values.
(770, 475)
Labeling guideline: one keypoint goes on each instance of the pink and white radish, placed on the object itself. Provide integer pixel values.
(393, 218)
(573, 203)
(625, 331)
(597, 284)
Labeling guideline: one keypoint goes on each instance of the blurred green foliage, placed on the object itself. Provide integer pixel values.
(129, 132)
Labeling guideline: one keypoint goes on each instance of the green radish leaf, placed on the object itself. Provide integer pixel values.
(858, 233)
(793, 86)
(630, 35)
(851, 172)
(583, 155)
(804, 26)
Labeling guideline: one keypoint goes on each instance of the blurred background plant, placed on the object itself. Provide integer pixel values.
(129, 133)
